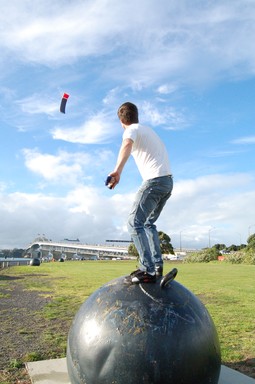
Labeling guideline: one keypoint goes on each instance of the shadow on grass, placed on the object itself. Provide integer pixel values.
(6, 277)
(246, 367)
(11, 278)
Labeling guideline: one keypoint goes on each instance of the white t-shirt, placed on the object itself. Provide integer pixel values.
(149, 151)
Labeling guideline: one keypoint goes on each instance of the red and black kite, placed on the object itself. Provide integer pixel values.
(63, 103)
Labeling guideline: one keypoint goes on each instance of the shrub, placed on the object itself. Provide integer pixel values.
(34, 356)
(235, 258)
(16, 363)
(241, 257)
(249, 257)
(209, 254)
(204, 256)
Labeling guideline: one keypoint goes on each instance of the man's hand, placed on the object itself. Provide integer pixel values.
(115, 178)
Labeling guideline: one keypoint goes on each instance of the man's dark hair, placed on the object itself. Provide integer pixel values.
(128, 113)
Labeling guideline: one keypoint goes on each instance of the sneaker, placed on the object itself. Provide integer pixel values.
(159, 271)
(128, 279)
(142, 277)
(135, 272)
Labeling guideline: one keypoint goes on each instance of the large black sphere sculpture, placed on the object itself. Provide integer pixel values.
(143, 334)
(35, 262)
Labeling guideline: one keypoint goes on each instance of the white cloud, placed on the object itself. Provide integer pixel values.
(112, 96)
(37, 104)
(210, 203)
(222, 202)
(66, 31)
(223, 153)
(2, 186)
(245, 140)
(199, 43)
(166, 89)
(167, 116)
(84, 213)
(65, 167)
(98, 129)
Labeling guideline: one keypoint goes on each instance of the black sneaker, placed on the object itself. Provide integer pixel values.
(138, 277)
(128, 279)
(135, 272)
(159, 271)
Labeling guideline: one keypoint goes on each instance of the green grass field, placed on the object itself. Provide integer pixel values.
(226, 290)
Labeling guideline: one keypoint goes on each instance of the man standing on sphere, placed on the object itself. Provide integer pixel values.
(152, 160)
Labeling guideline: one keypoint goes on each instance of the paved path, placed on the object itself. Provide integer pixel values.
(55, 372)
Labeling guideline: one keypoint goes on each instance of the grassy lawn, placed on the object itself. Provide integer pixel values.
(227, 291)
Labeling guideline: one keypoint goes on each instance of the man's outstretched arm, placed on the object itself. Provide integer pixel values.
(124, 153)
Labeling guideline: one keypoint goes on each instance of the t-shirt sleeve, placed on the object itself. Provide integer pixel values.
(130, 133)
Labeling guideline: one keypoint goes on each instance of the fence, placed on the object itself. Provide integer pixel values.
(6, 263)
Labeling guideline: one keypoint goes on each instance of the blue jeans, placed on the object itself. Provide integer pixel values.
(149, 202)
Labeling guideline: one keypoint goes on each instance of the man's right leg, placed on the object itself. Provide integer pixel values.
(137, 218)
(160, 192)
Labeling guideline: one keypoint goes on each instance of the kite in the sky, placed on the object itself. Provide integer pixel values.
(63, 103)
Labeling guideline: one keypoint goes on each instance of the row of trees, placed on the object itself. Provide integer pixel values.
(233, 254)
(9, 253)
(231, 248)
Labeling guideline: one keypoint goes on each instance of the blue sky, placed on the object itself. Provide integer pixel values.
(190, 68)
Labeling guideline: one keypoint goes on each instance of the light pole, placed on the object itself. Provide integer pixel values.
(181, 240)
(239, 238)
(249, 232)
(209, 237)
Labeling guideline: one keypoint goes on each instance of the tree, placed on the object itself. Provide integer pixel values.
(219, 247)
(251, 243)
(232, 247)
(16, 252)
(132, 250)
(165, 245)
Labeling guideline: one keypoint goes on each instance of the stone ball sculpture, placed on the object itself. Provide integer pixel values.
(35, 262)
(143, 334)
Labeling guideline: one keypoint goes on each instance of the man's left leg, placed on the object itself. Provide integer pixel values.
(154, 242)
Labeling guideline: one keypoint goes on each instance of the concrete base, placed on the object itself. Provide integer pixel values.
(55, 372)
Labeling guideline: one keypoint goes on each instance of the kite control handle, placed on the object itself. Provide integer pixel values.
(108, 182)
